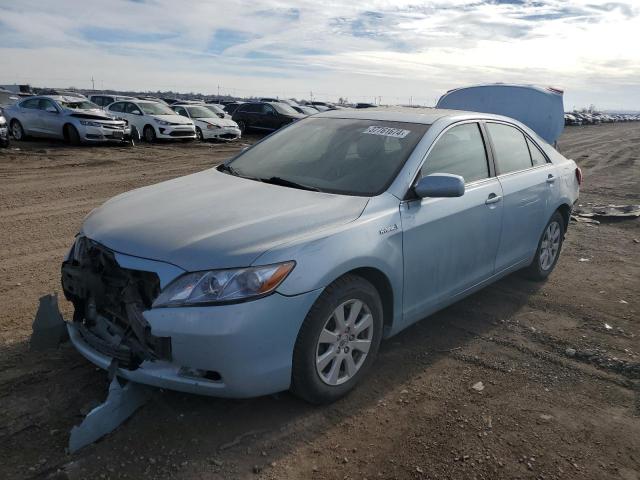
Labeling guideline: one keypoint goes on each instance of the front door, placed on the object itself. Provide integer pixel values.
(450, 244)
(50, 121)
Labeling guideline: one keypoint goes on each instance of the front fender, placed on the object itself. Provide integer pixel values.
(372, 241)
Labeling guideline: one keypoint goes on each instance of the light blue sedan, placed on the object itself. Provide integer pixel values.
(285, 267)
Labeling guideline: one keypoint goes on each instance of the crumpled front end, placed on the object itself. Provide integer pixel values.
(109, 303)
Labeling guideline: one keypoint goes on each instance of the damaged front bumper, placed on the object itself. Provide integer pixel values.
(235, 350)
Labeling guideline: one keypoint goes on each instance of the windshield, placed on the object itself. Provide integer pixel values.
(199, 112)
(154, 108)
(215, 109)
(284, 108)
(338, 155)
(79, 105)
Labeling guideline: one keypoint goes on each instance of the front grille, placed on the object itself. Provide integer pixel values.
(229, 135)
(181, 133)
(109, 301)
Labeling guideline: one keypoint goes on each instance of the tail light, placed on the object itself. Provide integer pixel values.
(579, 176)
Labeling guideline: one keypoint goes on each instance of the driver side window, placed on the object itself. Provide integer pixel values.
(133, 108)
(460, 151)
(44, 104)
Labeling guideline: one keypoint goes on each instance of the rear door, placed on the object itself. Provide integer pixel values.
(450, 244)
(29, 116)
(527, 190)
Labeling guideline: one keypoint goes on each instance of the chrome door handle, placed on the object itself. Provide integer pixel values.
(493, 198)
(551, 179)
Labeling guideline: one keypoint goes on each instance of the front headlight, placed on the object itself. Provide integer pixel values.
(3, 122)
(219, 286)
(89, 123)
(211, 126)
(161, 122)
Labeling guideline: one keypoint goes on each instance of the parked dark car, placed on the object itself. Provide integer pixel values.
(266, 116)
(230, 107)
(102, 100)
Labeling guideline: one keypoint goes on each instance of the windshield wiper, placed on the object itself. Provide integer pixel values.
(228, 169)
(288, 183)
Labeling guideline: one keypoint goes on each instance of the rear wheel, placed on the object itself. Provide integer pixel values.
(149, 134)
(548, 251)
(16, 130)
(338, 341)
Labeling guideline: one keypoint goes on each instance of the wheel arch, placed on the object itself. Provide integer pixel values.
(565, 211)
(383, 285)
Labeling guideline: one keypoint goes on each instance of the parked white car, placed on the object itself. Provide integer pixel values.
(209, 126)
(152, 120)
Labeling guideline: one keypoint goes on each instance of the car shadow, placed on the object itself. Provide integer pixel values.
(47, 393)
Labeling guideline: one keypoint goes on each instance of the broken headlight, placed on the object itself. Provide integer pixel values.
(220, 286)
(89, 123)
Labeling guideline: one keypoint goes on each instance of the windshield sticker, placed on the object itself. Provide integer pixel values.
(387, 131)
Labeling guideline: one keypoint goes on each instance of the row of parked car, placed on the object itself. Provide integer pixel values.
(118, 118)
(584, 118)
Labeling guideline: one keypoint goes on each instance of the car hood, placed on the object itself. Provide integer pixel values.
(177, 119)
(89, 114)
(220, 122)
(212, 220)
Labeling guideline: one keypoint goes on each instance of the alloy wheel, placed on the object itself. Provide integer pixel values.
(344, 342)
(550, 245)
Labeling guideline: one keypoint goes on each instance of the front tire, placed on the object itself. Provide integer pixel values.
(149, 134)
(338, 341)
(72, 135)
(199, 134)
(242, 126)
(548, 251)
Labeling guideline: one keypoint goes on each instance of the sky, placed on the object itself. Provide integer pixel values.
(396, 52)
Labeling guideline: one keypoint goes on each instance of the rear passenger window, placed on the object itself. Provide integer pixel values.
(510, 148)
(537, 156)
(460, 151)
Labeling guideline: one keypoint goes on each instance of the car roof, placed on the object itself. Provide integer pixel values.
(422, 115)
(58, 98)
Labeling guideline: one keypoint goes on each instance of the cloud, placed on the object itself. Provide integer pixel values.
(395, 49)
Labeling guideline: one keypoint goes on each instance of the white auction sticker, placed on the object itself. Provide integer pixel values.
(387, 131)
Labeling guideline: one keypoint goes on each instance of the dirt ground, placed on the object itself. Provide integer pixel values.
(559, 361)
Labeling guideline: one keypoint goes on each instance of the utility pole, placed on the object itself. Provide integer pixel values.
(311, 97)
(218, 91)
(93, 83)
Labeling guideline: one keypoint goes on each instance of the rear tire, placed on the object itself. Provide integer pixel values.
(149, 134)
(548, 251)
(331, 356)
(17, 131)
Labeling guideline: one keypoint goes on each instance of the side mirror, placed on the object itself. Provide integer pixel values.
(52, 110)
(438, 185)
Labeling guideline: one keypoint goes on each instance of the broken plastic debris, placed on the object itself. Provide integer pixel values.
(478, 387)
(584, 260)
(49, 328)
(623, 301)
(608, 211)
(120, 404)
(608, 327)
(579, 219)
